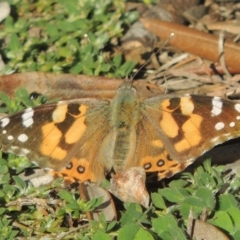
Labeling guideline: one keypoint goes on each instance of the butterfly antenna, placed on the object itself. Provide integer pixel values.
(159, 49)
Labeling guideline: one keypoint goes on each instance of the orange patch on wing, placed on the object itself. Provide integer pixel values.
(78, 128)
(165, 104)
(59, 113)
(157, 143)
(187, 106)
(74, 174)
(169, 125)
(51, 137)
(191, 136)
(166, 169)
(171, 168)
(59, 153)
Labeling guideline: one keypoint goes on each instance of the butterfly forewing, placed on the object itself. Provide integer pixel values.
(51, 134)
(187, 126)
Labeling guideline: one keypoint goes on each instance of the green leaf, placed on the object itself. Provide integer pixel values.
(196, 204)
(163, 223)
(8, 192)
(93, 203)
(133, 214)
(73, 206)
(52, 31)
(4, 178)
(20, 183)
(236, 235)
(158, 201)
(3, 169)
(14, 43)
(117, 60)
(5, 99)
(6, 231)
(18, 163)
(222, 220)
(227, 201)
(70, 6)
(234, 213)
(101, 236)
(207, 196)
(167, 228)
(143, 234)
(126, 68)
(134, 231)
(180, 183)
(174, 194)
(9, 23)
(2, 210)
(128, 232)
(67, 196)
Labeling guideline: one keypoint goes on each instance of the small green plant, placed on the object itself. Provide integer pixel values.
(6, 229)
(50, 36)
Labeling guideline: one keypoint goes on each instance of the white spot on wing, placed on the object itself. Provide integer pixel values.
(216, 106)
(23, 137)
(4, 122)
(237, 107)
(4, 131)
(10, 137)
(238, 117)
(219, 126)
(27, 117)
(232, 124)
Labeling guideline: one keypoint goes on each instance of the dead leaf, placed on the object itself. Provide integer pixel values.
(205, 231)
(195, 42)
(68, 86)
(129, 186)
(4, 10)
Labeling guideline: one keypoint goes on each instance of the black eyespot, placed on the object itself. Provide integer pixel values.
(147, 166)
(160, 163)
(81, 169)
(69, 166)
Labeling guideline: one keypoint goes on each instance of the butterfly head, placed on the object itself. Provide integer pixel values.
(127, 89)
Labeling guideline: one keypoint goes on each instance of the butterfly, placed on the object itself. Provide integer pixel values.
(85, 139)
